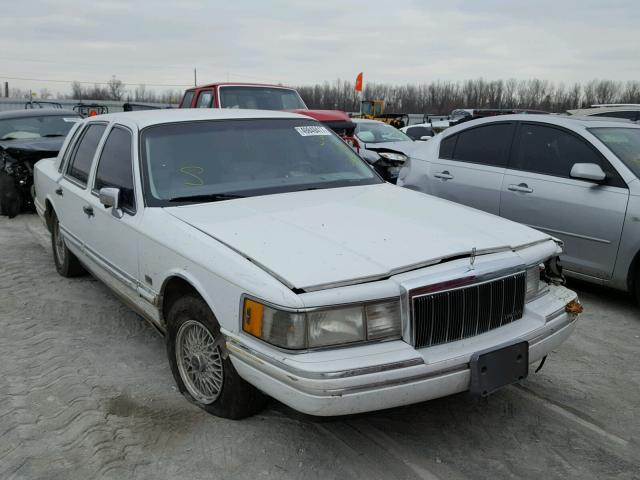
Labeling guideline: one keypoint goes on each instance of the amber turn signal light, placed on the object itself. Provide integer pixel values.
(574, 307)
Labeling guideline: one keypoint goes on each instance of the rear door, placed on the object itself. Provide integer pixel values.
(538, 190)
(471, 164)
(74, 209)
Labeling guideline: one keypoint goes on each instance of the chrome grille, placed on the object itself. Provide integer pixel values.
(450, 315)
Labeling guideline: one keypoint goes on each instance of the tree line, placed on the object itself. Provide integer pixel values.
(441, 97)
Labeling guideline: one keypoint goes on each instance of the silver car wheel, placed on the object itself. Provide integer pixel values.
(199, 362)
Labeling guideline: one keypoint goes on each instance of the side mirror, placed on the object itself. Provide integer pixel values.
(424, 138)
(588, 171)
(110, 197)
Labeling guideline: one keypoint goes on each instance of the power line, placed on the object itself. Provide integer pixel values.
(130, 84)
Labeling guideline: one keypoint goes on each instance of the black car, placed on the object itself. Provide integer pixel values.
(26, 136)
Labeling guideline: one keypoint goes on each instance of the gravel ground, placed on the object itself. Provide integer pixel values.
(86, 392)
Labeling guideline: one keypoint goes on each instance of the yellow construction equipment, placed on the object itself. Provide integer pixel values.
(374, 110)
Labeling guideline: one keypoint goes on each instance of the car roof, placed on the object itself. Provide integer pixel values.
(569, 121)
(238, 84)
(605, 109)
(39, 112)
(145, 118)
(366, 120)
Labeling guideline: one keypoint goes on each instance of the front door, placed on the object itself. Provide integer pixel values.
(538, 190)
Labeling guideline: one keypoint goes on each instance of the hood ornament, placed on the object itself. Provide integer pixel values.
(472, 258)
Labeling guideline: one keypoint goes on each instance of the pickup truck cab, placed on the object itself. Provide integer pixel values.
(265, 97)
(277, 262)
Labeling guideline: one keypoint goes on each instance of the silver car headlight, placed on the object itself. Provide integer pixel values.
(322, 327)
(534, 285)
(396, 157)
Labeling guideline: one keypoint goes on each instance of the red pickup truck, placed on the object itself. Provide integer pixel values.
(264, 97)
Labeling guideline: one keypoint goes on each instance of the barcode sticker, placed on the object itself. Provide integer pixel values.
(311, 130)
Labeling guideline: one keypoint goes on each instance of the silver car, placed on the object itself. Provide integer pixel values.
(573, 177)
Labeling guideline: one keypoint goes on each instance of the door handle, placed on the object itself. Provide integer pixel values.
(88, 210)
(59, 191)
(444, 175)
(522, 187)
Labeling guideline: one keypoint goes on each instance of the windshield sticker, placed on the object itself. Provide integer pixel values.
(71, 119)
(312, 130)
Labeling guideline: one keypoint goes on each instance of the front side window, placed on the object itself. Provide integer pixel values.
(216, 160)
(487, 145)
(31, 127)
(80, 165)
(552, 151)
(262, 98)
(205, 99)
(624, 143)
(115, 167)
(378, 132)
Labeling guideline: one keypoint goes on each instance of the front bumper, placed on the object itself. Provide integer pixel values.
(390, 374)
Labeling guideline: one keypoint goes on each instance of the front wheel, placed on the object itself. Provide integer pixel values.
(202, 374)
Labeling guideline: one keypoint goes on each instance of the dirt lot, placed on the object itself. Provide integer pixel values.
(86, 392)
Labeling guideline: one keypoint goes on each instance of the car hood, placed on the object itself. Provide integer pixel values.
(315, 239)
(405, 146)
(32, 148)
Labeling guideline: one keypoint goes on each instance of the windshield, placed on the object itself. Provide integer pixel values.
(624, 142)
(373, 132)
(261, 98)
(36, 127)
(217, 160)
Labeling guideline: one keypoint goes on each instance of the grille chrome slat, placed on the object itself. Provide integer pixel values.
(452, 315)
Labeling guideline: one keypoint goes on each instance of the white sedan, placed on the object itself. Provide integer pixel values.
(277, 262)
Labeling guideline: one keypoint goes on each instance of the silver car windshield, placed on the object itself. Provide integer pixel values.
(624, 143)
(379, 133)
(24, 128)
(221, 159)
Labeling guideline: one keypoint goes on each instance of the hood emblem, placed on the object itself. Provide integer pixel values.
(472, 258)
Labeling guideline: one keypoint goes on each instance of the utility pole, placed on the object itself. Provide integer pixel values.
(6, 89)
(195, 78)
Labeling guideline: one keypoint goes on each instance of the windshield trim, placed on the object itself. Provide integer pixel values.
(150, 201)
(220, 87)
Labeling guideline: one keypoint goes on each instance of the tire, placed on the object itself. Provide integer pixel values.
(67, 264)
(10, 197)
(216, 387)
(637, 287)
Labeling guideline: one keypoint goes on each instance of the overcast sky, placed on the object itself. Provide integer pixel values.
(304, 42)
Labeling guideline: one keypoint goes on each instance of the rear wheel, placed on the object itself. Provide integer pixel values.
(67, 264)
(202, 374)
(637, 286)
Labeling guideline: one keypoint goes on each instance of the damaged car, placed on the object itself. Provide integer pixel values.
(278, 263)
(384, 147)
(27, 136)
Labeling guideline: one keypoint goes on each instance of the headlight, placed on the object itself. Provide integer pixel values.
(322, 327)
(397, 157)
(534, 284)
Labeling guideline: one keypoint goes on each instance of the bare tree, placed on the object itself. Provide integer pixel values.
(116, 88)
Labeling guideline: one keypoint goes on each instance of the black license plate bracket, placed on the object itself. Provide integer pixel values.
(498, 367)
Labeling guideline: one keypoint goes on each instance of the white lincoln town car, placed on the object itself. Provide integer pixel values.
(278, 263)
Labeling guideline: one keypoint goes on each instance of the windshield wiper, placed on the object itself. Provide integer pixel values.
(51, 135)
(209, 197)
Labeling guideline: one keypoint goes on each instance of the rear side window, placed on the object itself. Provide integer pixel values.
(629, 115)
(552, 151)
(205, 99)
(80, 165)
(115, 167)
(416, 133)
(447, 146)
(487, 145)
(187, 99)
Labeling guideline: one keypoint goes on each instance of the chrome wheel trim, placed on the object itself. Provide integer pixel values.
(199, 362)
(58, 243)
